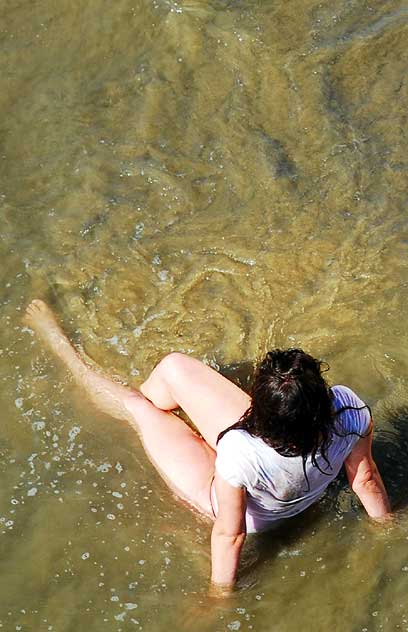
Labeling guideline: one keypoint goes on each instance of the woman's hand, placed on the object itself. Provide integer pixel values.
(228, 536)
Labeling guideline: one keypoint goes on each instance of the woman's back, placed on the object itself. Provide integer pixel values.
(281, 486)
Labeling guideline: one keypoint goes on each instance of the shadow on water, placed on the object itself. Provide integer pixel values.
(240, 373)
(390, 450)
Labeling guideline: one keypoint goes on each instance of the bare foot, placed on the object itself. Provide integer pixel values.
(106, 394)
(39, 316)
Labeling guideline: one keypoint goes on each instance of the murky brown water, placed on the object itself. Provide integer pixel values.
(216, 178)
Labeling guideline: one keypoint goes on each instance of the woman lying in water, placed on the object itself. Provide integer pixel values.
(260, 459)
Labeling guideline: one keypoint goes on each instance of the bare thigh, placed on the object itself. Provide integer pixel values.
(183, 459)
(211, 401)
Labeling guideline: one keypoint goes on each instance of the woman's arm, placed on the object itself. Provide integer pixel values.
(228, 534)
(365, 479)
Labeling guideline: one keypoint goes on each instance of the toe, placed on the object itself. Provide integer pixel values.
(38, 303)
(33, 308)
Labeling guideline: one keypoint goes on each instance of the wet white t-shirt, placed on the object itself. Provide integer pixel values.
(276, 485)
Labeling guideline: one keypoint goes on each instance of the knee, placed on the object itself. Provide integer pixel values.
(159, 386)
(171, 364)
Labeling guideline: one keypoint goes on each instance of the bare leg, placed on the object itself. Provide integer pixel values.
(211, 401)
(183, 459)
(106, 394)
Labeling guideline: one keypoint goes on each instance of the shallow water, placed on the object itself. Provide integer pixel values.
(215, 178)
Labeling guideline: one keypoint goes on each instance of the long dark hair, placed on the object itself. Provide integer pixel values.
(291, 407)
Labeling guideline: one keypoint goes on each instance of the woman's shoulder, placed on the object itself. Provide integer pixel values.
(236, 460)
(345, 396)
(236, 438)
(352, 411)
